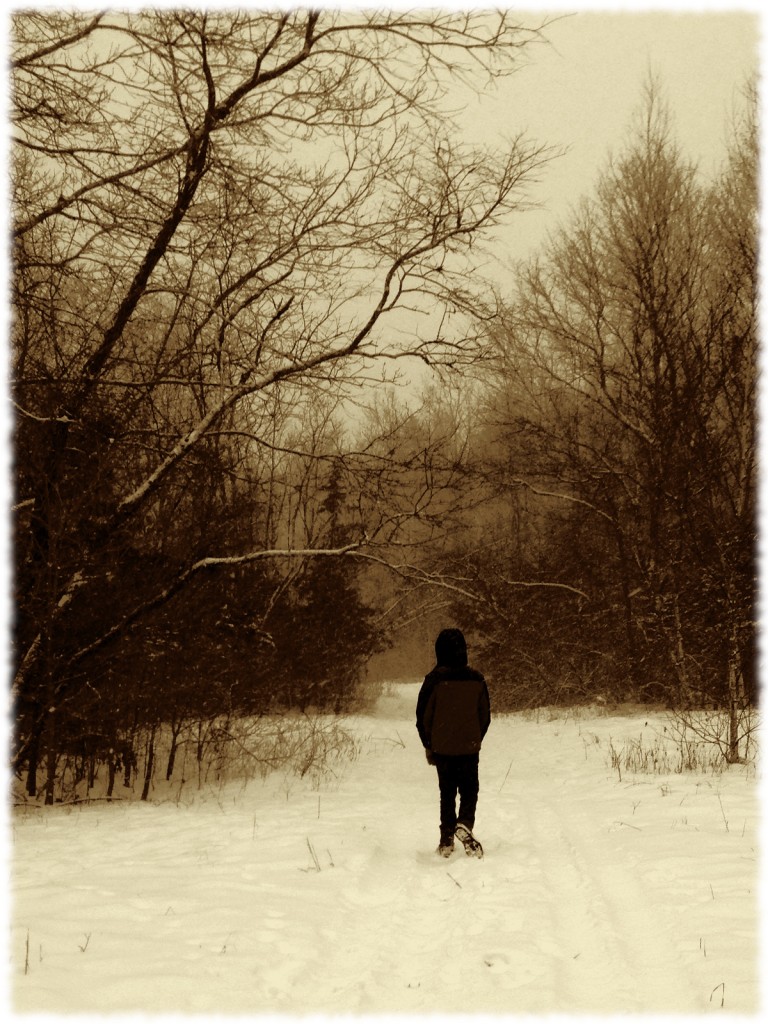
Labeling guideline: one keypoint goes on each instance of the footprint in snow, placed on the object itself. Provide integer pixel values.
(496, 961)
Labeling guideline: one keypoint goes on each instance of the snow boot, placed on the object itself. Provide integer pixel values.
(472, 847)
(445, 849)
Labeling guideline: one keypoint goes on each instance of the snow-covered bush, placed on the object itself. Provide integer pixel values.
(695, 741)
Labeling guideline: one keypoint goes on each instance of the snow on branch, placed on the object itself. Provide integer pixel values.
(543, 583)
(563, 497)
(180, 581)
(436, 579)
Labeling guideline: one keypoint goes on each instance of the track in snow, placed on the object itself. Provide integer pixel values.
(594, 896)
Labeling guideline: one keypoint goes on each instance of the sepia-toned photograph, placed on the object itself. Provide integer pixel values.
(382, 584)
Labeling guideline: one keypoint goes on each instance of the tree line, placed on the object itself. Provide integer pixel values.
(619, 431)
(230, 231)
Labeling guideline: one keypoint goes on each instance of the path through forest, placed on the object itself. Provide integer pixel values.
(595, 895)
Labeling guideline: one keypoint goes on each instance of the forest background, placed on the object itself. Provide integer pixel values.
(282, 408)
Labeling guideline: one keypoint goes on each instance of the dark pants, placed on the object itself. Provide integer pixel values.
(457, 773)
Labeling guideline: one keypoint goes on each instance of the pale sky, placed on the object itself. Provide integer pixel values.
(583, 91)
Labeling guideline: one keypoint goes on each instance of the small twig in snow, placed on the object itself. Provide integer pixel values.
(722, 986)
(314, 855)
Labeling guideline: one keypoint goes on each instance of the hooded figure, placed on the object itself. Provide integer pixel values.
(453, 709)
(451, 649)
(453, 712)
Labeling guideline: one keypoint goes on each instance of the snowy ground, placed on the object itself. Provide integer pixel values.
(595, 895)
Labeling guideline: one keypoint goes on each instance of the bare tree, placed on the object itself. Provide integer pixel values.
(217, 215)
(634, 346)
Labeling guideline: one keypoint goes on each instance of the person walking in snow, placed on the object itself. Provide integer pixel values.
(453, 712)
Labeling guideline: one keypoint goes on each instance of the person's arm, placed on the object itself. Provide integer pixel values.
(423, 726)
(484, 709)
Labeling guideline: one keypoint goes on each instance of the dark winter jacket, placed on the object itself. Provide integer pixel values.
(453, 710)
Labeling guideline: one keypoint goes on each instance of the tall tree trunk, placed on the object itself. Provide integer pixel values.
(32, 758)
(175, 732)
(51, 759)
(112, 772)
(737, 701)
(150, 765)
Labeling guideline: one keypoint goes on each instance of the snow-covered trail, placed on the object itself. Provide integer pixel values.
(594, 895)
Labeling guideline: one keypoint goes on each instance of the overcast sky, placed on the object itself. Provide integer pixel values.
(583, 90)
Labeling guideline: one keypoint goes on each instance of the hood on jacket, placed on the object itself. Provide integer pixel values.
(451, 648)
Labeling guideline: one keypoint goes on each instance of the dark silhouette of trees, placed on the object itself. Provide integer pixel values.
(623, 442)
(216, 218)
